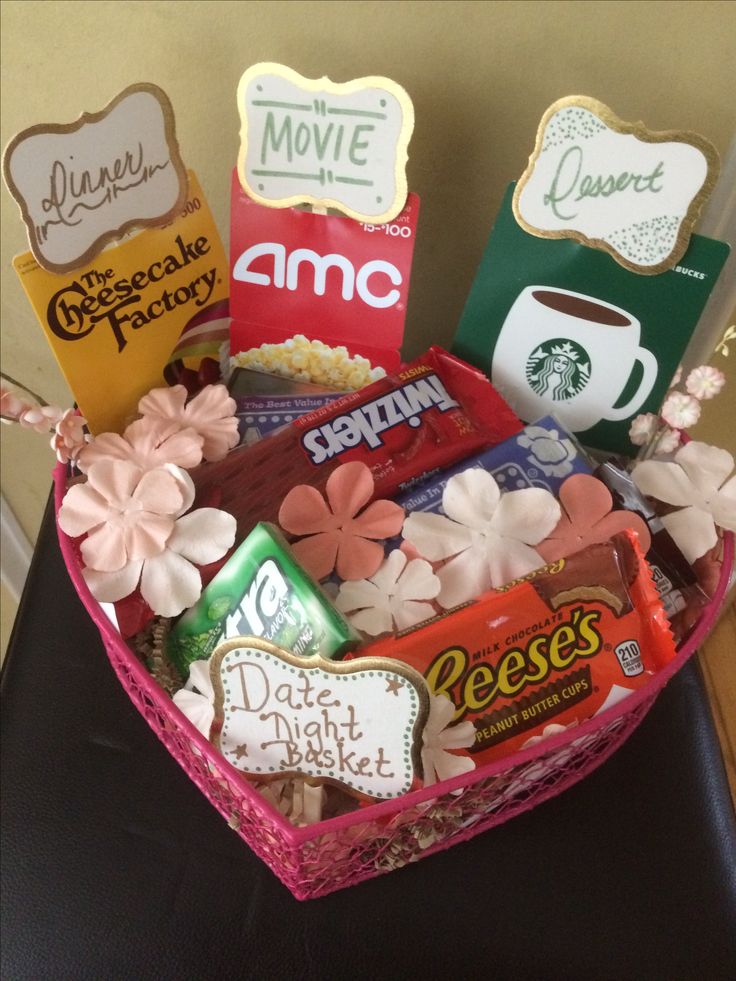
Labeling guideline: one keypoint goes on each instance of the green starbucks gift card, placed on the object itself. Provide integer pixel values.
(562, 328)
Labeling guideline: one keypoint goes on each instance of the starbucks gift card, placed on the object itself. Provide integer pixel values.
(562, 328)
(592, 282)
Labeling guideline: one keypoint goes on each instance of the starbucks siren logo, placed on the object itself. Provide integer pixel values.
(558, 369)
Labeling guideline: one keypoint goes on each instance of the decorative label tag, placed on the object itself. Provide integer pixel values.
(620, 187)
(84, 184)
(124, 323)
(358, 724)
(314, 141)
(329, 277)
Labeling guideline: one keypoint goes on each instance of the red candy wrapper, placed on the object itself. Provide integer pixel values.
(434, 411)
(564, 644)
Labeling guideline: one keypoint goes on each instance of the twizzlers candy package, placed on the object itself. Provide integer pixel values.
(429, 414)
(564, 644)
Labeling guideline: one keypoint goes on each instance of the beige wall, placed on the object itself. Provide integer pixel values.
(480, 75)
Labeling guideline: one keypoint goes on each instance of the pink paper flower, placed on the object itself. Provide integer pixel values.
(341, 532)
(146, 443)
(680, 411)
(705, 382)
(211, 413)
(69, 438)
(137, 531)
(587, 518)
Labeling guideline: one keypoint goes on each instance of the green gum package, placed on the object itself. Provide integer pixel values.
(261, 592)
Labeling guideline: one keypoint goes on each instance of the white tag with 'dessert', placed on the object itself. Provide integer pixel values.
(617, 186)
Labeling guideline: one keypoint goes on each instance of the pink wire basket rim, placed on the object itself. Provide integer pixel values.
(298, 836)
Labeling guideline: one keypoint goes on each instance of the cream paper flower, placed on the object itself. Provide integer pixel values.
(196, 699)
(696, 481)
(680, 411)
(439, 737)
(487, 537)
(393, 596)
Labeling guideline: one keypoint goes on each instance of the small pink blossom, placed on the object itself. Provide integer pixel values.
(42, 418)
(705, 382)
(11, 405)
(69, 438)
(643, 428)
(667, 441)
(680, 411)
(211, 413)
(676, 377)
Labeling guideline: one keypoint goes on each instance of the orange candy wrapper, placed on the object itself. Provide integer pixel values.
(559, 646)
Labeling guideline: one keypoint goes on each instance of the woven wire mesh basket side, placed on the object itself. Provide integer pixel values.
(379, 838)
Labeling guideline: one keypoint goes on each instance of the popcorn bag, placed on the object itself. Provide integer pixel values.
(373, 607)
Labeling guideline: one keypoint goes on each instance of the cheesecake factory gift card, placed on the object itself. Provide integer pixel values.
(115, 324)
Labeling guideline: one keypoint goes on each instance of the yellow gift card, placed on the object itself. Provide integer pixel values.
(141, 310)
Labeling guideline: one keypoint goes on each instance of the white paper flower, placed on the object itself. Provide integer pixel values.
(439, 737)
(643, 428)
(696, 481)
(487, 537)
(393, 596)
(705, 382)
(680, 411)
(196, 699)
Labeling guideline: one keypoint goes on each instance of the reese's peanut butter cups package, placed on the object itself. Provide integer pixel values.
(562, 645)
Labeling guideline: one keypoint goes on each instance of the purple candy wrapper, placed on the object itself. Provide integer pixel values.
(259, 415)
(544, 454)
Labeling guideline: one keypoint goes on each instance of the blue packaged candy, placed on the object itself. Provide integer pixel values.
(260, 415)
(543, 454)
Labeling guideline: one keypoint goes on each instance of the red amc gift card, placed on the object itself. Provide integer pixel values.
(328, 277)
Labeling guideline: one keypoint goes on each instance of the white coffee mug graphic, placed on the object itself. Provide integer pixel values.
(572, 355)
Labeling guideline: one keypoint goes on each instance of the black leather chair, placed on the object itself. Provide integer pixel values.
(115, 867)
